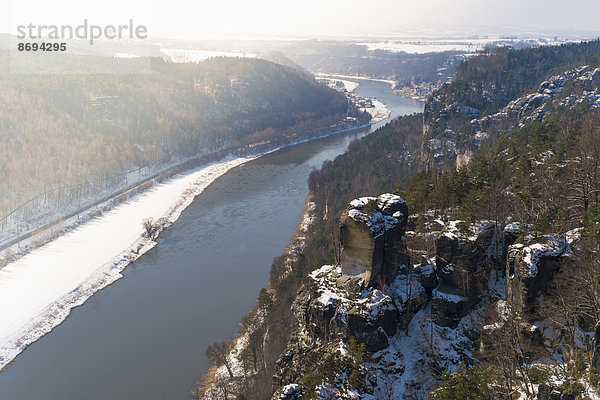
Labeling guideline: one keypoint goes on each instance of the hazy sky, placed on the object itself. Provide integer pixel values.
(311, 18)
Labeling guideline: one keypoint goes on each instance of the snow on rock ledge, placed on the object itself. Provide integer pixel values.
(379, 213)
(529, 256)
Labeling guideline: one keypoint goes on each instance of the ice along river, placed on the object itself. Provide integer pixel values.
(144, 336)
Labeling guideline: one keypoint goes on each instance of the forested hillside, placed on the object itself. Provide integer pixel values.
(545, 174)
(489, 82)
(66, 140)
(498, 92)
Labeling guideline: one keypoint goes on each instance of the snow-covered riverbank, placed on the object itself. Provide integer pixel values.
(38, 291)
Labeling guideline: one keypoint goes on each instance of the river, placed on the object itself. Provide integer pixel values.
(144, 336)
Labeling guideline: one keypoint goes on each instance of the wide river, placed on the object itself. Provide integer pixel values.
(144, 336)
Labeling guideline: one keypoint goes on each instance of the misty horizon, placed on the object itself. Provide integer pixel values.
(269, 19)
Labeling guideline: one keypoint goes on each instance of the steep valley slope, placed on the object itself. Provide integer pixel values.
(448, 255)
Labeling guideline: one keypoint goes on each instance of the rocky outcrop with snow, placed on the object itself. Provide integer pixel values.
(372, 238)
(332, 305)
(412, 318)
(462, 269)
(531, 267)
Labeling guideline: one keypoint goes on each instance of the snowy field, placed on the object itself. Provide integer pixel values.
(467, 45)
(193, 55)
(349, 86)
(38, 291)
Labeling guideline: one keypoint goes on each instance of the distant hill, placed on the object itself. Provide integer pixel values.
(355, 59)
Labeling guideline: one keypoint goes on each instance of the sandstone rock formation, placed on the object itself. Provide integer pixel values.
(530, 269)
(460, 258)
(463, 270)
(368, 297)
(365, 297)
(376, 296)
(372, 238)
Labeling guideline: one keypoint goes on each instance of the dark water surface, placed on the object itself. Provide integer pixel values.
(144, 336)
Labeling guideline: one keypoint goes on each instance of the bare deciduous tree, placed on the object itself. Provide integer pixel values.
(218, 353)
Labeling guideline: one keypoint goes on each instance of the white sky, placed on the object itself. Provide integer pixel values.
(312, 18)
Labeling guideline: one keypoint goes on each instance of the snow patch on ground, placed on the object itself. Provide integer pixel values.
(196, 55)
(288, 390)
(479, 227)
(451, 230)
(450, 297)
(338, 84)
(573, 235)
(404, 369)
(513, 227)
(319, 75)
(463, 45)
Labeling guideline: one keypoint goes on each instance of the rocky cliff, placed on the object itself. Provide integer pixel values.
(372, 239)
(531, 268)
(412, 317)
(372, 294)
